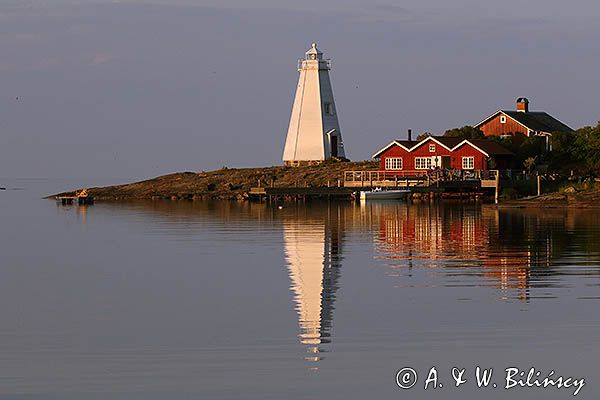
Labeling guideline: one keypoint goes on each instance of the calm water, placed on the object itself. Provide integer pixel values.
(182, 300)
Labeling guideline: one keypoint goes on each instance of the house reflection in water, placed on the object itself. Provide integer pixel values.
(474, 245)
(312, 253)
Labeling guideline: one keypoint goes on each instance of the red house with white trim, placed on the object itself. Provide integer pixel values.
(522, 123)
(406, 157)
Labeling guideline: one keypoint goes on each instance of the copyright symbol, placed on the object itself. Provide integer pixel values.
(406, 378)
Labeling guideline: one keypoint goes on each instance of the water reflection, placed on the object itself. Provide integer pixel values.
(183, 296)
(312, 245)
(513, 255)
(512, 250)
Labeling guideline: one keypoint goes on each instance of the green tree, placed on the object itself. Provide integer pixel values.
(532, 146)
(562, 143)
(466, 132)
(586, 147)
(423, 136)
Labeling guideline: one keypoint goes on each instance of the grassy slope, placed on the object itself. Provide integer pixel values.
(226, 183)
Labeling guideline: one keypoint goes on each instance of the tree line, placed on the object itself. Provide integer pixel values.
(577, 151)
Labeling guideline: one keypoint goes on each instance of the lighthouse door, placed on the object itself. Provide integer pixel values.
(334, 146)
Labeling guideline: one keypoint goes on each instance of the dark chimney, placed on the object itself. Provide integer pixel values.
(410, 135)
(523, 104)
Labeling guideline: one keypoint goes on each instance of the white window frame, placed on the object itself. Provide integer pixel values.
(423, 163)
(468, 163)
(393, 163)
(503, 119)
(432, 148)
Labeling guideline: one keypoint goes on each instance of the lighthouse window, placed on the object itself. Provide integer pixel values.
(328, 108)
(503, 119)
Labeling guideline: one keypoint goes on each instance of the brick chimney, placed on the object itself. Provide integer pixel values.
(522, 104)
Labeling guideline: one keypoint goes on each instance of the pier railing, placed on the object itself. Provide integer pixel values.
(384, 178)
(417, 177)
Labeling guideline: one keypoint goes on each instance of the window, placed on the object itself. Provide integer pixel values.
(328, 107)
(503, 119)
(393, 163)
(468, 162)
(422, 162)
(432, 148)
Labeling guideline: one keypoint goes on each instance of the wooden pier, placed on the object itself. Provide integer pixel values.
(82, 197)
(301, 193)
(423, 184)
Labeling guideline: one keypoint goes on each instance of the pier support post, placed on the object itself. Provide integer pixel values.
(497, 187)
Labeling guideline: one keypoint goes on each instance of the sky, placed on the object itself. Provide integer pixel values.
(127, 90)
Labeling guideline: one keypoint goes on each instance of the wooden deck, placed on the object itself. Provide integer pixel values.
(422, 182)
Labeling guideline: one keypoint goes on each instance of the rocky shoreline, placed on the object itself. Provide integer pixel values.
(235, 183)
(567, 198)
(226, 183)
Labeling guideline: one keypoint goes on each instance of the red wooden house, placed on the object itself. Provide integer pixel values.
(522, 123)
(405, 157)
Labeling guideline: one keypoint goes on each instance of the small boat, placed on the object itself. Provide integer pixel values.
(379, 194)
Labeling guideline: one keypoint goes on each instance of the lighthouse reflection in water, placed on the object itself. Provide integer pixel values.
(312, 252)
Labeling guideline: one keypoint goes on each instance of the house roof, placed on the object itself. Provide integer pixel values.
(406, 144)
(410, 145)
(538, 121)
(446, 141)
(488, 147)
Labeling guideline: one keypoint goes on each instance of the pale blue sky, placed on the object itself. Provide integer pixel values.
(134, 89)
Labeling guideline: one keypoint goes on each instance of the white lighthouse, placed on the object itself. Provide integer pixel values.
(314, 132)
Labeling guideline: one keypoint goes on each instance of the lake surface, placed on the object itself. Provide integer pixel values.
(219, 300)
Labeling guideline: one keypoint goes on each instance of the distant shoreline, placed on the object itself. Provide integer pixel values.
(235, 183)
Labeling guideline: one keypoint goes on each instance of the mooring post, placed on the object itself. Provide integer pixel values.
(497, 187)
(539, 185)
